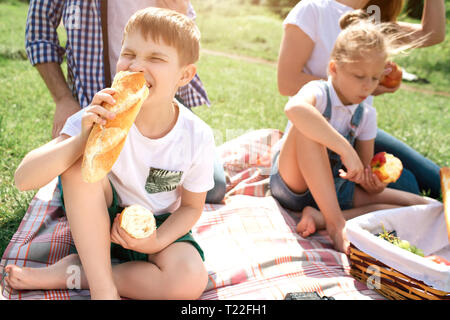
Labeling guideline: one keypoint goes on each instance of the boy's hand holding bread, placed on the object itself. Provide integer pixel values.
(108, 120)
(135, 229)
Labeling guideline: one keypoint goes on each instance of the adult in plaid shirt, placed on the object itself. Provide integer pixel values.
(88, 67)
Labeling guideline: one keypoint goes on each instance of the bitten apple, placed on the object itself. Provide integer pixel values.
(393, 78)
(387, 167)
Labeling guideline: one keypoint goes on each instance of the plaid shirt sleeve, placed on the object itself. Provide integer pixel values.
(194, 93)
(41, 39)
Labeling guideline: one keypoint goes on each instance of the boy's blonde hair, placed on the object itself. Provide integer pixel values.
(173, 28)
(361, 38)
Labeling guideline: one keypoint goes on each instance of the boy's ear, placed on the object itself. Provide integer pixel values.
(332, 67)
(187, 74)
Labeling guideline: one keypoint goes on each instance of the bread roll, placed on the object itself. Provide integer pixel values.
(137, 221)
(445, 186)
(106, 142)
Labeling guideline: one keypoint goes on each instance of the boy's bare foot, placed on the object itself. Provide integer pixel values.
(51, 277)
(311, 221)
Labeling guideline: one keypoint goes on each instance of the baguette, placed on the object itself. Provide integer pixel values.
(105, 143)
(445, 186)
(137, 221)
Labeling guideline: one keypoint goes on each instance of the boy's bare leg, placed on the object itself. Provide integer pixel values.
(304, 164)
(87, 213)
(177, 272)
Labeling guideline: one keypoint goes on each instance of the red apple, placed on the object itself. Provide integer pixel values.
(393, 78)
(387, 167)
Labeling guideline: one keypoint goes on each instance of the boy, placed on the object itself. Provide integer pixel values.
(166, 140)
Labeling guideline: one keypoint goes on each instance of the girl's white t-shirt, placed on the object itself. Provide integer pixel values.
(341, 115)
(151, 172)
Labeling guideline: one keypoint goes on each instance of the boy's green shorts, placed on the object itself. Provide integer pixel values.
(119, 252)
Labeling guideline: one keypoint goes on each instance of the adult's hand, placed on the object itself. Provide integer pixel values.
(64, 109)
(180, 6)
(66, 104)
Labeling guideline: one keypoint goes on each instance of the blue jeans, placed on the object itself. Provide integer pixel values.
(216, 194)
(419, 173)
(297, 201)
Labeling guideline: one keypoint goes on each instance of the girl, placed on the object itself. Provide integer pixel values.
(333, 128)
(310, 30)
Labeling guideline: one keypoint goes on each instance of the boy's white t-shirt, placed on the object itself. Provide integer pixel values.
(319, 19)
(151, 172)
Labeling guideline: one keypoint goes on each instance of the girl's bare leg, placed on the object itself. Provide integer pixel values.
(304, 164)
(313, 220)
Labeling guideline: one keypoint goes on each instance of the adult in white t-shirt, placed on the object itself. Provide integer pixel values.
(185, 156)
(310, 30)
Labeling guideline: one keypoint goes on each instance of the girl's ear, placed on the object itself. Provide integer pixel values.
(332, 68)
(187, 74)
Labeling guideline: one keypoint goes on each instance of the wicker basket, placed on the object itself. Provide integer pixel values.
(392, 284)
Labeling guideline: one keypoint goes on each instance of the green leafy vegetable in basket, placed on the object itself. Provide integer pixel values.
(391, 236)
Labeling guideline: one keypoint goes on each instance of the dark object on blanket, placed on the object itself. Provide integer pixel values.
(306, 296)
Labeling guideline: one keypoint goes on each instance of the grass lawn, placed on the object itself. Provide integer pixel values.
(244, 94)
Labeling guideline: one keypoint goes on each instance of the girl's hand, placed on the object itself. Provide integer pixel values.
(355, 168)
(95, 113)
(147, 245)
(371, 183)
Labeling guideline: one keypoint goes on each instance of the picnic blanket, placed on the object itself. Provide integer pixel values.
(252, 251)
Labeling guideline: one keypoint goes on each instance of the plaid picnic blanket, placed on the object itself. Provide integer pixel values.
(252, 250)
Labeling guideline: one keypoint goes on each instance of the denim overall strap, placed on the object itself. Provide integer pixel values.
(354, 123)
(327, 112)
(335, 159)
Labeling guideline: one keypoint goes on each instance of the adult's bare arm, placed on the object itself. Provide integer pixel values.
(296, 48)
(432, 25)
(66, 105)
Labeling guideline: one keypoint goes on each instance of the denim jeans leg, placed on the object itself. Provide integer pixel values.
(216, 194)
(425, 171)
(406, 182)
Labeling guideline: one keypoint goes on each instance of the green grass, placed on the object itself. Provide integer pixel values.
(235, 27)
(244, 95)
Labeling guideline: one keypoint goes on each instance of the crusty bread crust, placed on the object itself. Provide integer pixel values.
(106, 142)
(445, 188)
